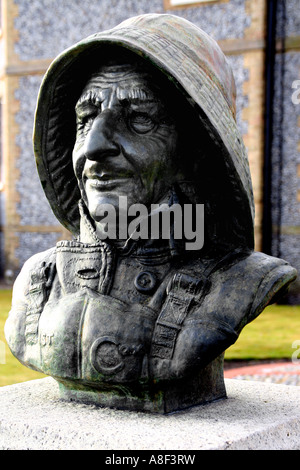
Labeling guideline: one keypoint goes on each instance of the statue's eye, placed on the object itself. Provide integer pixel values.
(85, 123)
(88, 122)
(141, 123)
(86, 112)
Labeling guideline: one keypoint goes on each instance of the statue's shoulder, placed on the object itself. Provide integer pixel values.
(42, 258)
(268, 277)
(256, 260)
(252, 261)
(248, 269)
(38, 266)
(249, 282)
(29, 295)
(259, 273)
(241, 282)
(255, 264)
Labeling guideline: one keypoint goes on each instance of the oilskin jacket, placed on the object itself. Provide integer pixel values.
(83, 312)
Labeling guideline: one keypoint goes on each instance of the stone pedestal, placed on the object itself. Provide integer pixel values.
(254, 416)
(205, 387)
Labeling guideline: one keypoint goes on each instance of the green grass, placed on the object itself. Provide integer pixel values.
(270, 336)
(11, 371)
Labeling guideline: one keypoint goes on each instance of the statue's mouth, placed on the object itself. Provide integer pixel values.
(105, 182)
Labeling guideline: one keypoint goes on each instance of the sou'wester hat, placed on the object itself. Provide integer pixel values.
(191, 59)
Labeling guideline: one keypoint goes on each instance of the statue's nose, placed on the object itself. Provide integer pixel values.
(100, 141)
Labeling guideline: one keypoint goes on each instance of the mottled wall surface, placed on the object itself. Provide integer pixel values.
(32, 208)
(45, 28)
(288, 18)
(285, 158)
(42, 242)
(241, 75)
(286, 137)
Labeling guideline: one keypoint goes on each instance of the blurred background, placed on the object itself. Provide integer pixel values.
(261, 39)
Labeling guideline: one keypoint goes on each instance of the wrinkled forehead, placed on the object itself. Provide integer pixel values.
(130, 82)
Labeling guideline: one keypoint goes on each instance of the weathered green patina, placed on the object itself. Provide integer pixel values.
(145, 110)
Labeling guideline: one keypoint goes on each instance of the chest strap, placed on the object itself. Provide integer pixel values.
(184, 291)
(181, 294)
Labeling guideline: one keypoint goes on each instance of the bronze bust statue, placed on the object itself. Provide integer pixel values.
(142, 113)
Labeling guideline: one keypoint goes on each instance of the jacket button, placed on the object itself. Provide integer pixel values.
(145, 282)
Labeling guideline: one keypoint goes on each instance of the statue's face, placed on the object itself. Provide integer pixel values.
(126, 143)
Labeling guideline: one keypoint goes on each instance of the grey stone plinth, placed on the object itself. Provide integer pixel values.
(255, 415)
